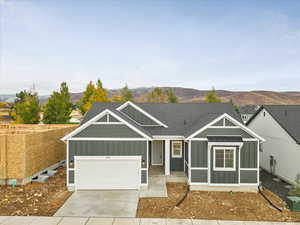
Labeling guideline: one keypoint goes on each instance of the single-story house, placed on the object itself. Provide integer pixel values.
(118, 143)
(279, 125)
(247, 111)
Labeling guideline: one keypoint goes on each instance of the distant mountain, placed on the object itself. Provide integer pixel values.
(238, 97)
(258, 97)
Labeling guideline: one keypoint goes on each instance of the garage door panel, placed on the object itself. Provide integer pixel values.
(103, 173)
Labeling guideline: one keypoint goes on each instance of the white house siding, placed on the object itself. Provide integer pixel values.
(278, 143)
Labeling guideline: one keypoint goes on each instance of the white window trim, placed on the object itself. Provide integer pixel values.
(177, 156)
(234, 158)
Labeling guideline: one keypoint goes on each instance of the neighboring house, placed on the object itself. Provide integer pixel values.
(247, 111)
(118, 143)
(280, 126)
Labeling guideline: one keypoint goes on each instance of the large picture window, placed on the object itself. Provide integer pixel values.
(224, 158)
(176, 149)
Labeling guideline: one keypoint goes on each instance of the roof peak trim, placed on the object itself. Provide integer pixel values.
(95, 118)
(231, 119)
(142, 111)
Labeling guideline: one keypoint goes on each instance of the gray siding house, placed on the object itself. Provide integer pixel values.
(117, 144)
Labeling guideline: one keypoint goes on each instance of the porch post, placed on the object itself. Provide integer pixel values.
(167, 157)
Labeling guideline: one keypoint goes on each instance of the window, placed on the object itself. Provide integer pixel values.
(224, 158)
(177, 149)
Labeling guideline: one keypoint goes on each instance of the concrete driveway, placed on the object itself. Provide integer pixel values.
(101, 204)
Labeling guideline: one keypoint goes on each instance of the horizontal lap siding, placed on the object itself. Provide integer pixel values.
(199, 176)
(249, 155)
(108, 131)
(108, 148)
(223, 131)
(199, 154)
(249, 176)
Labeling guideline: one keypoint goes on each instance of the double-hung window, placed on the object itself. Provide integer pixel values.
(224, 158)
(176, 149)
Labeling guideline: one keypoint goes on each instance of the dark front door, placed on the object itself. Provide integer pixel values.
(176, 156)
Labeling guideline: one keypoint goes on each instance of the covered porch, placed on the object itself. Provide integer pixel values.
(167, 156)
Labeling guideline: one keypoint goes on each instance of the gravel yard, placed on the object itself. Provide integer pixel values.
(35, 199)
(215, 205)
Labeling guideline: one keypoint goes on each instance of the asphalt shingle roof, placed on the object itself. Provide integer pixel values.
(181, 118)
(248, 109)
(287, 116)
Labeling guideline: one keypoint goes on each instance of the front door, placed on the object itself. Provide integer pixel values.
(157, 153)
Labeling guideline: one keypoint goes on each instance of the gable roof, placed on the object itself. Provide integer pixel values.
(180, 118)
(89, 121)
(287, 116)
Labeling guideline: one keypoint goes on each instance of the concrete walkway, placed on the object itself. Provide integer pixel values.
(31, 220)
(157, 188)
(101, 204)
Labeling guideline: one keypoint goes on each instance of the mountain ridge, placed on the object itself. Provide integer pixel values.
(257, 97)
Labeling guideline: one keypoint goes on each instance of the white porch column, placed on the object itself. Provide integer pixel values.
(167, 157)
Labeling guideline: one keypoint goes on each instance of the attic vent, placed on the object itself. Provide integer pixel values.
(285, 112)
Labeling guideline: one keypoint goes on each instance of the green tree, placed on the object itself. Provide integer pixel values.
(157, 95)
(59, 106)
(172, 98)
(92, 94)
(126, 94)
(212, 97)
(26, 108)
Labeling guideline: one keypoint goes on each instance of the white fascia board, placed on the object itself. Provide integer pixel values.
(246, 129)
(231, 119)
(142, 111)
(164, 137)
(105, 139)
(95, 118)
(88, 123)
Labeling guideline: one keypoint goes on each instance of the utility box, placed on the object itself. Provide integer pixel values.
(294, 203)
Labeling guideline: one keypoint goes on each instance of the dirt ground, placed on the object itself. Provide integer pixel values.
(215, 205)
(35, 199)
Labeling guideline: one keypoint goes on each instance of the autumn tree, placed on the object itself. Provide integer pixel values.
(92, 94)
(117, 98)
(59, 106)
(212, 97)
(26, 108)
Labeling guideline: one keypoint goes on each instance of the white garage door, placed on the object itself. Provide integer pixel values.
(108, 172)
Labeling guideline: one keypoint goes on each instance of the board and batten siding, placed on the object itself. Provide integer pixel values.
(108, 148)
(249, 154)
(176, 164)
(108, 131)
(199, 165)
(224, 177)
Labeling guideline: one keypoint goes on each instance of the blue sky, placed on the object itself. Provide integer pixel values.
(233, 45)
